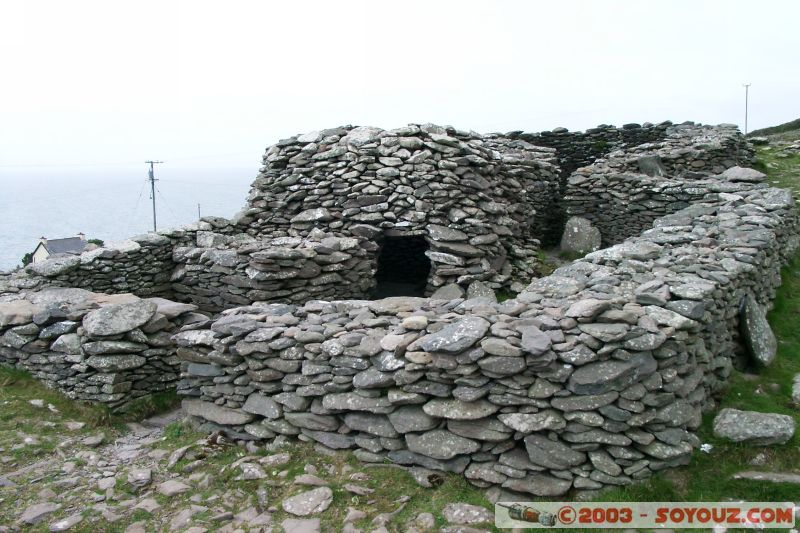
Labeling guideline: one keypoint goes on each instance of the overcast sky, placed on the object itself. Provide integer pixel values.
(198, 83)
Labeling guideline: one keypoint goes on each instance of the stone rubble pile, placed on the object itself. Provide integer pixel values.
(110, 349)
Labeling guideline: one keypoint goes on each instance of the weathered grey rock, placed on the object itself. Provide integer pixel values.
(140, 477)
(205, 370)
(409, 418)
(552, 454)
(310, 502)
(67, 523)
(296, 525)
(465, 514)
(751, 427)
(587, 308)
(440, 444)
(448, 292)
(369, 423)
(744, 174)
(580, 236)
(115, 363)
(265, 406)
(605, 332)
(38, 512)
(456, 337)
(584, 403)
(113, 347)
(171, 309)
(604, 376)
(757, 334)
(54, 266)
(173, 487)
(478, 289)
(215, 413)
(534, 341)
(17, 312)
(372, 378)
(312, 421)
(443, 233)
(354, 402)
(69, 343)
(312, 215)
(485, 429)
(406, 457)
(119, 318)
(495, 346)
(530, 422)
(539, 484)
(458, 410)
(502, 366)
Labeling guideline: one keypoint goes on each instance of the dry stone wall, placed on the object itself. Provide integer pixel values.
(596, 375)
(624, 193)
(478, 202)
(291, 269)
(109, 349)
(577, 149)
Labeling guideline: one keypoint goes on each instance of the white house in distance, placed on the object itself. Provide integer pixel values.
(50, 247)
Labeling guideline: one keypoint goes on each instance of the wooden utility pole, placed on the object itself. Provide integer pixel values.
(746, 97)
(152, 178)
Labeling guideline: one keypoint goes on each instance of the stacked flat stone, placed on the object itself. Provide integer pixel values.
(595, 375)
(230, 271)
(475, 201)
(686, 148)
(94, 347)
(576, 149)
(624, 193)
(141, 265)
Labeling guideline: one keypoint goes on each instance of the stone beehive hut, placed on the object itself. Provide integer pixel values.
(435, 205)
(597, 374)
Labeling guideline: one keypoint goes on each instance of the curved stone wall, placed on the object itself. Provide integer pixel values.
(597, 374)
(109, 349)
(625, 192)
(478, 202)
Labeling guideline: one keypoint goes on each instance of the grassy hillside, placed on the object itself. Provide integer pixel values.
(787, 127)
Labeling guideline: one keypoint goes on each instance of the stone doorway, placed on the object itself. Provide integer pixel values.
(403, 267)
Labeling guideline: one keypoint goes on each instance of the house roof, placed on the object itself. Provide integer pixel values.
(70, 245)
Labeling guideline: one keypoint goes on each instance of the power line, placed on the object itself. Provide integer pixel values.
(169, 207)
(135, 207)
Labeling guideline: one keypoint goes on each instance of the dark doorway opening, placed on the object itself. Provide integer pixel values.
(403, 267)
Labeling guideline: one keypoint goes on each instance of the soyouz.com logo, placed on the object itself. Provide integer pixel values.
(673, 515)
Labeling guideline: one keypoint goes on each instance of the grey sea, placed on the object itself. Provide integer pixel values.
(110, 204)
